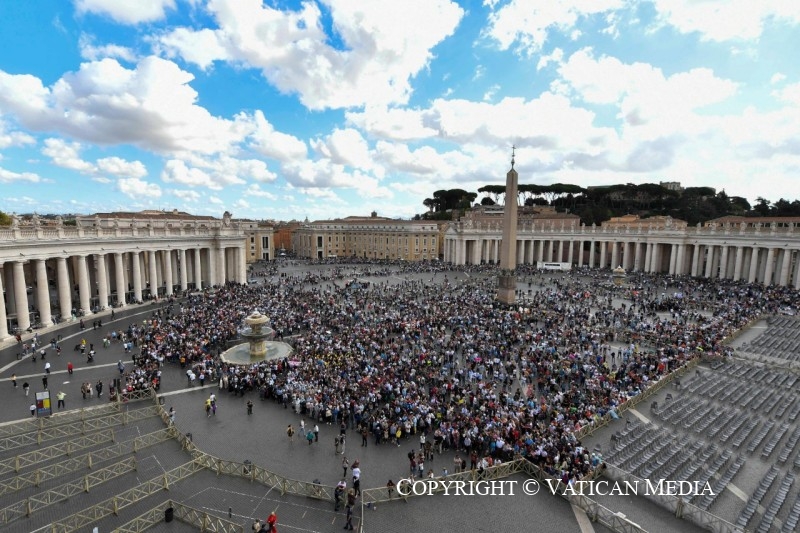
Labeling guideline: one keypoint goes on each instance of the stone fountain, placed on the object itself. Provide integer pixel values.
(259, 346)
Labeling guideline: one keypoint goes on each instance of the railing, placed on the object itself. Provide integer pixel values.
(29, 506)
(34, 424)
(676, 505)
(80, 520)
(83, 427)
(25, 460)
(87, 460)
(184, 513)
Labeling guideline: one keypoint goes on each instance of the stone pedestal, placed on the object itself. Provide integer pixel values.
(506, 288)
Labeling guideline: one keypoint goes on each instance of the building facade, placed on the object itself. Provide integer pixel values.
(767, 253)
(259, 240)
(108, 260)
(370, 237)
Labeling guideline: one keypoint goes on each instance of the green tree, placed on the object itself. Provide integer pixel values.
(5, 220)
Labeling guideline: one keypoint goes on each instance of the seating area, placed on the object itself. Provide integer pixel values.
(734, 422)
(781, 339)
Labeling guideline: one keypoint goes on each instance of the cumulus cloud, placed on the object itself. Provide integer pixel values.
(65, 155)
(137, 188)
(151, 106)
(385, 44)
(7, 176)
(122, 168)
(255, 190)
(186, 195)
(89, 50)
(9, 138)
(725, 20)
(274, 144)
(524, 24)
(127, 12)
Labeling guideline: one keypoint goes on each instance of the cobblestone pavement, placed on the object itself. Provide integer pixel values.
(261, 438)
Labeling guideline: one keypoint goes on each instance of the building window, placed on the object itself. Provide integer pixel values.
(265, 242)
(252, 239)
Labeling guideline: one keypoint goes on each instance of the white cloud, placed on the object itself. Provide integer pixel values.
(151, 106)
(176, 171)
(526, 23)
(392, 123)
(102, 179)
(65, 155)
(778, 77)
(255, 190)
(10, 138)
(94, 52)
(490, 93)
(122, 168)
(274, 144)
(186, 195)
(725, 20)
(386, 43)
(125, 12)
(137, 188)
(7, 176)
(241, 203)
(345, 147)
(214, 200)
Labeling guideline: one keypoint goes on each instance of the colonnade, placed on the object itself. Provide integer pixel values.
(39, 286)
(775, 260)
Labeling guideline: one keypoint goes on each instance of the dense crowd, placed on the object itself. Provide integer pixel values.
(440, 358)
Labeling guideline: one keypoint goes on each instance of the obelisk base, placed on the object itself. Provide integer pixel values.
(507, 289)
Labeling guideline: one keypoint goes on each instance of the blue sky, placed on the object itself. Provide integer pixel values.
(327, 108)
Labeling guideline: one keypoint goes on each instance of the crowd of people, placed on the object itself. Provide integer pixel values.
(437, 360)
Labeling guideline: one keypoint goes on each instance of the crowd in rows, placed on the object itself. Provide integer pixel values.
(406, 356)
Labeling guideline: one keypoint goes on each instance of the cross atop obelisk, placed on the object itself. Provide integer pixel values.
(507, 281)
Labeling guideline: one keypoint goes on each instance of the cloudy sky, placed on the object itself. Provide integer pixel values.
(324, 108)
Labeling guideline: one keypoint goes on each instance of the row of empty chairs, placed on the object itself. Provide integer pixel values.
(752, 504)
(721, 483)
(789, 447)
(773, 441)
(791, 521)
(777, 503)
(762, 433)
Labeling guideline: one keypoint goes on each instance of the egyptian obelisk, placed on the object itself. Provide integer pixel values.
(507, 281)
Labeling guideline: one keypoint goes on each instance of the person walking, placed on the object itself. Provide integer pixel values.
(342, 441)
(47, 367)
(290, 433)
(60, 396)
(14, 380)
(33, 409)
(69, 368)
(26, 388)
(345, 464)
(310, 437)
(351, 501)
(172, 416)
(249, 407)
(316, 433)
(99, 388)
(44, 382)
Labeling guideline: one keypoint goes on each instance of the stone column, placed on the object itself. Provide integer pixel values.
(221, 271)
(627, 260)
(242, 264)
(151, 264)
(11, 305)
(119, 279)
(648, 258)
(64, 288)
(615, 254)
(680, 264)
(42, 293)
(102, 280)
(580, 254)
(673, 258)
(184, 275)
(769, 266)
(198, 270)
(84, 291)
(786, 260)
(737, 264)
(212, 264)
(541, 251)
(637, 254)
(709, 261)
(571, 252)
(560, 251)
(137, 276)
(21, 296)
(797, 273)
(3, 315)
(753, 273)
(167, 256)
(695, 260)
(603, 251)
(551, 244)
(591, 254)
(723, 263)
